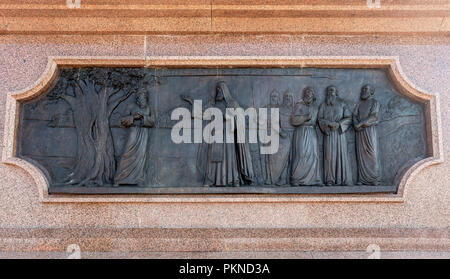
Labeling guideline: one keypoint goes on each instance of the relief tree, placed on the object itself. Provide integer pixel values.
(93, 95)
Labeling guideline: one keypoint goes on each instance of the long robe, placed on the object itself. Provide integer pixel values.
(266, 158)
(367, 112)
(336, 160)
(305, 147)
(132, 165)
(225, 164)
(279, 162)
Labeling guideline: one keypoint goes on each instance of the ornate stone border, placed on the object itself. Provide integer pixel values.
(390, 63)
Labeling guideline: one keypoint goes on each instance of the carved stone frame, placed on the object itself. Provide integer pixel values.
(434, 133)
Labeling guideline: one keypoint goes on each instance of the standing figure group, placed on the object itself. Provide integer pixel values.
(297, 161)
(298, 134)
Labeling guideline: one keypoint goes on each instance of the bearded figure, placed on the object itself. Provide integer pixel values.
(365, 120)
(334, 120)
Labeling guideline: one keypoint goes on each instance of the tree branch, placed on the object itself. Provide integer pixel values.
(83, 86)
(90, 86)
(114, 105)
(69, 99)
(115, 92)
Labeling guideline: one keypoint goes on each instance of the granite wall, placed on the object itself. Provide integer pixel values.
(418, 221)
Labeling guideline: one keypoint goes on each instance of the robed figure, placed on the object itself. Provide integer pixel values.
(225, 164)
(305, 147)
(132, 165)
(334, 119)
(267, 158)
(365, 119)
(281, 160)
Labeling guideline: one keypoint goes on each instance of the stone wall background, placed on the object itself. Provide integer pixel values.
(425, 60)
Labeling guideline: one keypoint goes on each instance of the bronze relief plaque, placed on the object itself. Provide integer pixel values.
(111, 131)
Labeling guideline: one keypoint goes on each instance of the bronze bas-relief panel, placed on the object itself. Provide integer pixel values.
(108, 130)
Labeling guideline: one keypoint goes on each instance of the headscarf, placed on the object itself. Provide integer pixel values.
(229, 100)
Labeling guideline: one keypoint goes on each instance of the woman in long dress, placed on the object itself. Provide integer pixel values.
(305, 150)
(132, 165)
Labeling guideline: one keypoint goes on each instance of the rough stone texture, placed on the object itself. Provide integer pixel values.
(225, 16)
(425, 60)
(227, 255)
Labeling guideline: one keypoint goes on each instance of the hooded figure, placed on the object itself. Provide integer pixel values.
(225, 164)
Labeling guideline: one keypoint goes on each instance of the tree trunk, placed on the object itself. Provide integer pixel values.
(95, 165)
(85, 150)
(104, 164)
